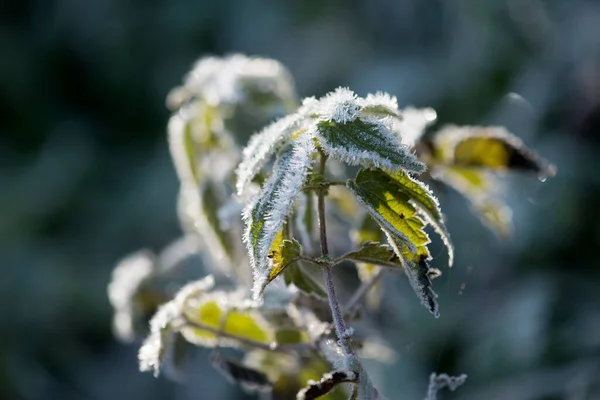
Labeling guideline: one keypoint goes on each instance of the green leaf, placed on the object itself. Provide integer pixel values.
(370, 143)
(291, 336)
(416, 269)
(265, 216)
(480, 188)
(420, 196)
(295, 274)
(491, 147)
(283, 253)
(391, 209)
(374, 253)
(212, 312)
(262, 146)
(398, 219)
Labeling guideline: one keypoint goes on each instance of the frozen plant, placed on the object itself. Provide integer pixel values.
(258, 217)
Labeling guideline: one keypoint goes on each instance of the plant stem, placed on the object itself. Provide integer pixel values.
(324, 185)
(334, 304)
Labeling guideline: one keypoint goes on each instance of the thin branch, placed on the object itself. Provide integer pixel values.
(248, 342)
(323, 185)
(336, 312)
(362, 290)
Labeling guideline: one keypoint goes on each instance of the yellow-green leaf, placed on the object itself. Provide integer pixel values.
(491, 147)
(209, 312)
(283, 253)
(420, 196)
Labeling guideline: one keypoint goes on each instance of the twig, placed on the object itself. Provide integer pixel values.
(336, 312)
(323, 185)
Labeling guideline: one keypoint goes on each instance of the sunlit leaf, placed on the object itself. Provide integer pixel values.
(416, 269)
(368, 142)
(283, 253)
(391, 209)
(420, 196)
(212, 313)
(183, 149)
(265, 216)
(262, 146)
(492, 147)
(398, 219)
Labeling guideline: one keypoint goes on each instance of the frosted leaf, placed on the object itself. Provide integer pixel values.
(491, 147)
(340, 106)
(154, 349)
(265, 216)
(262, 146)
(127, 277)
(398, 219)
(226, 80)
(183, 148)
(125, 288)
(424, 200)
(441, 381)
(211, 313)
(380, 104)
(370, 142)
(417, 274)
(193, 289)
(165, 323)
(413, 123)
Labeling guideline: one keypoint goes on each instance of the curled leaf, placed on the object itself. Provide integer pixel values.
(328, 382)
(491, 147)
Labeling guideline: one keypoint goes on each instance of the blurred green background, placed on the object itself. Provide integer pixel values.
(85, 177)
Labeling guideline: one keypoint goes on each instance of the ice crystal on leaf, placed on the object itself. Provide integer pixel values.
(265, 216)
